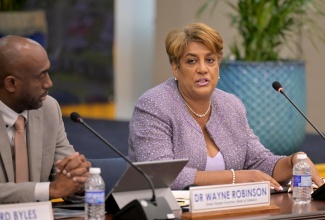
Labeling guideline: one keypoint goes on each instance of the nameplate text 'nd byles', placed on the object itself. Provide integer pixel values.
(30, 211)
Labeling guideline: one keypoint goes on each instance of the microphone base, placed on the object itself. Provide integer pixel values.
(144, 209)
(319, 194)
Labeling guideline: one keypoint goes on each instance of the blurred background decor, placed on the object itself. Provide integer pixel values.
(78, 36)
(15, 20)
(269, 49)
(80, 49)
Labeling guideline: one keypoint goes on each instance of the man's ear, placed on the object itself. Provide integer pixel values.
(10, 83)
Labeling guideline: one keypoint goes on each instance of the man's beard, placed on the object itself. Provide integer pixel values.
(30, 103)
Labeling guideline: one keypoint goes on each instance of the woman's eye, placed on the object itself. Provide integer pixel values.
(210, 60)
(191, 61)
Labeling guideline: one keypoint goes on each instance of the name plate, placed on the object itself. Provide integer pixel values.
(30, 211)
(229, 196)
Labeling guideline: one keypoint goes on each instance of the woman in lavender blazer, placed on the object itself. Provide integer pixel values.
(187, 117)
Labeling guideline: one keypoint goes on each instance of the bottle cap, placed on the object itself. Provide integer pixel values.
(94, 170)
(301, 156)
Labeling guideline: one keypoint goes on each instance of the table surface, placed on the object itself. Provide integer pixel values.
(285, 210)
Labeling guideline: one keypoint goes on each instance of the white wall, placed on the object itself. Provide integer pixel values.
(315, 74)
(151, 64)
(175, 14)
(134, 35)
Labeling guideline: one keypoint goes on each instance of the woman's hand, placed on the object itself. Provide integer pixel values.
(315, 177)
(244, 176)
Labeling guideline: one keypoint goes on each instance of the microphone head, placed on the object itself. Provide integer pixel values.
(277, 86)
(74, 116)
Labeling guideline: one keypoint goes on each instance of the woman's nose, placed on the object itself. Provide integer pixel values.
(202, 68)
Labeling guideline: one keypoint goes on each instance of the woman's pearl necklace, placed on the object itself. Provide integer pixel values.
(196, 114)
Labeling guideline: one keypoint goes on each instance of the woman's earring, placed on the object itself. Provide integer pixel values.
(219, 77)
(175, 79)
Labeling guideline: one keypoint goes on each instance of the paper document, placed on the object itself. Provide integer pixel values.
(60, 213)
(182, 197)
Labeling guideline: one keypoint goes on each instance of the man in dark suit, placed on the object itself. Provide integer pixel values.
(55, 169)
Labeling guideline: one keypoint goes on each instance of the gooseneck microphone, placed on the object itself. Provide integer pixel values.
(76, 118)
(278, 87)
(318, 194)
(159, 209)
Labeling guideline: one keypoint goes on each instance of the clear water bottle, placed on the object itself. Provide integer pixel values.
(301, 181)
(95, 196)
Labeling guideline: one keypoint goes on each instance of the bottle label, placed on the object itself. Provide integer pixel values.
(95, 197)
(302, 180)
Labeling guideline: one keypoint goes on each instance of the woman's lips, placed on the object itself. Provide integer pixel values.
(202, 82)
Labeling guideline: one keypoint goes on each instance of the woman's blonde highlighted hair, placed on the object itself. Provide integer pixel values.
(177, 40)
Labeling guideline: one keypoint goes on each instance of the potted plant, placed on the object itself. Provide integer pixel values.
(265, 28)
(16, 20)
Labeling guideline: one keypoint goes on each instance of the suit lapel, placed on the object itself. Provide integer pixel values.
(34, 143)
(5, 151)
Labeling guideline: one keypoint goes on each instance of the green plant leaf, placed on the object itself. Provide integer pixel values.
(267, 26)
